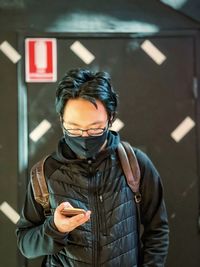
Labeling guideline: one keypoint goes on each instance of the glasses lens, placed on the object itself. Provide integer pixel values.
(95, 132)
(90, 132)
(74, 132)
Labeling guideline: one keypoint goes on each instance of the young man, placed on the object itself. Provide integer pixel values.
(85, 172)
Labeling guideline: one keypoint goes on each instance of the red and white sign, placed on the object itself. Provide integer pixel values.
(41, 59)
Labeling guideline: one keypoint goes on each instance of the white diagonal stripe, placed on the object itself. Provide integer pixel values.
(82, 52)
(40, 130)
(153, 52)
(9, 212)
(182, 129)
(10, 52)
(117, 125)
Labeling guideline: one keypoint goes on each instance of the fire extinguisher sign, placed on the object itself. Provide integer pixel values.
(40, 60)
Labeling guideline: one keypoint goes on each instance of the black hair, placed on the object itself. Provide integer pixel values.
(88, 85)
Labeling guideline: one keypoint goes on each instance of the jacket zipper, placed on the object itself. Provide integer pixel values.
(95, 220)
(103, 217)
(97, 248)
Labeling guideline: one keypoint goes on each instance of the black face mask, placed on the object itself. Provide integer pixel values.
(86, 147)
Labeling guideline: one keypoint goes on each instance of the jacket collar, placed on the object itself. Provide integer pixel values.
(65, 155)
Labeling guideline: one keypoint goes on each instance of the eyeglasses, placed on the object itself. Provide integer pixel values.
(90, 132)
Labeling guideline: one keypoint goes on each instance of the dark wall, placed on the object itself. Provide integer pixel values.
(8, 150)
(190, 8)
(28, 17)
(119, 16)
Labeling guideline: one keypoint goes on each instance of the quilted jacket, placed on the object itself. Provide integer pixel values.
(110, 238)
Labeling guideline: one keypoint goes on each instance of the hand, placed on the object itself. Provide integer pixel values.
(66, 224)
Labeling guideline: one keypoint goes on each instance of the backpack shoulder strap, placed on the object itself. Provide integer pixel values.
(39, 186)
(130, 167)
(132, 173)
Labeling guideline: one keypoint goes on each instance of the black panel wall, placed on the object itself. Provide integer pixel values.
(154, 100)
(8, 152)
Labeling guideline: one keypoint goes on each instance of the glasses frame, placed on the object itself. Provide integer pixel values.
(82, 131)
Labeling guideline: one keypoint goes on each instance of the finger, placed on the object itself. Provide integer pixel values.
(64, 205)
(80, 219)
(85, 217)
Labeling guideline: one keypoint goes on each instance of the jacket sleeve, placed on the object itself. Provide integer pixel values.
(155, 234)
(36, 234)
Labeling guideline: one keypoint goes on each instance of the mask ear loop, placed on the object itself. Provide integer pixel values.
(61, 124)
(111, 120)
(61, 120)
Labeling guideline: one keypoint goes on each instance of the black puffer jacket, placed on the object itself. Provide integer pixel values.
(110, 238)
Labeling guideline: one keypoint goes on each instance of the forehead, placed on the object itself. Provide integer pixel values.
(82, 111)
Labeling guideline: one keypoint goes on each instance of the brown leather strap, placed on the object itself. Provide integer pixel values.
(133, 163)
(39, 186)
(126, 166)
(129, 165)
(131, 170)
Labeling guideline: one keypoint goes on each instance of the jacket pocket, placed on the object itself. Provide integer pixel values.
(102, 213)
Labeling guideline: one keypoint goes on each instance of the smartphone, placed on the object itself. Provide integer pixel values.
(69, 212)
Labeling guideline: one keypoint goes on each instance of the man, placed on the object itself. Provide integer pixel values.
(85, 172)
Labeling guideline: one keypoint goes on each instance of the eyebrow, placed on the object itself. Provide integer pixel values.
(75, 124)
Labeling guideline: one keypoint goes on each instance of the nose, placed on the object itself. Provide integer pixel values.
(84, 134)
